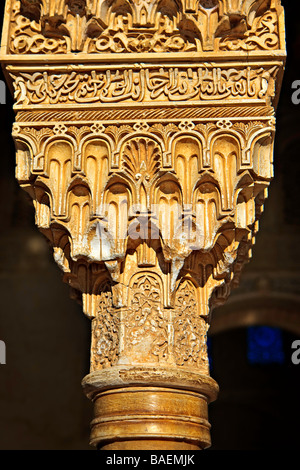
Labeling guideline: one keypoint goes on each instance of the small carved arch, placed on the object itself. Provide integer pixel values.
(168, 184)
(187, 152)
(62, 239)
(62, 249)
(101, 284)
(117, 185)
(244, 187)
(247, 159)
(78, 180)
(137, 280)
(229, 134)
(24, 157)
(261, 152)
(225, 252)
(225, 238)
(101, 139)
(168, 206)
(80, 278)
(79, 210)
(207, 206)
(96, 165)
(58, 142)
(117, 205)
(197, 136)
(206, 273)
(59, 157)
(245, 208)
(226, 152)
(208, 183)
(41, 187)
(37, 158)
(42, 208)
(188, 280)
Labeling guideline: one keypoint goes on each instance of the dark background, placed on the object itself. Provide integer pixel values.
(42, 405)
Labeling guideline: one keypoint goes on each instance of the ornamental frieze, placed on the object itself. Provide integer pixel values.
(144, 26)
(178, 84)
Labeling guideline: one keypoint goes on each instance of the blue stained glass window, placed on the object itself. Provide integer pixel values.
(265, 345)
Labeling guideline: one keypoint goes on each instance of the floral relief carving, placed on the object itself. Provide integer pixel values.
(105, 332)
(190, 329)
(133, 26)
(146, 325)
(262, 36)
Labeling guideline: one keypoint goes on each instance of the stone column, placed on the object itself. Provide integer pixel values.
(144, 135)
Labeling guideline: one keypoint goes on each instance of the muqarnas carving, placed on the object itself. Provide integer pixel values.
(163, 216)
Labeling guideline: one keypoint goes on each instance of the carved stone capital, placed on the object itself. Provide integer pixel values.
(144, 135)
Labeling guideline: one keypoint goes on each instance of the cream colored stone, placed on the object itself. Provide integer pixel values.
(144, 134)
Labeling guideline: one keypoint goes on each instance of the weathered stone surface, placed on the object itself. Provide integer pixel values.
(144, 135)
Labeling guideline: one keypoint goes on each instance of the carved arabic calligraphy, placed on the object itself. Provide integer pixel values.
(164, 84)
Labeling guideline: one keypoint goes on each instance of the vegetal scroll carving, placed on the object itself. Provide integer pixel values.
(146, 333)
(190, 329)
(105, 337)
(142, 26)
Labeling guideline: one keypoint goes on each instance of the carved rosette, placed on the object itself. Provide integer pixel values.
(148, 181)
